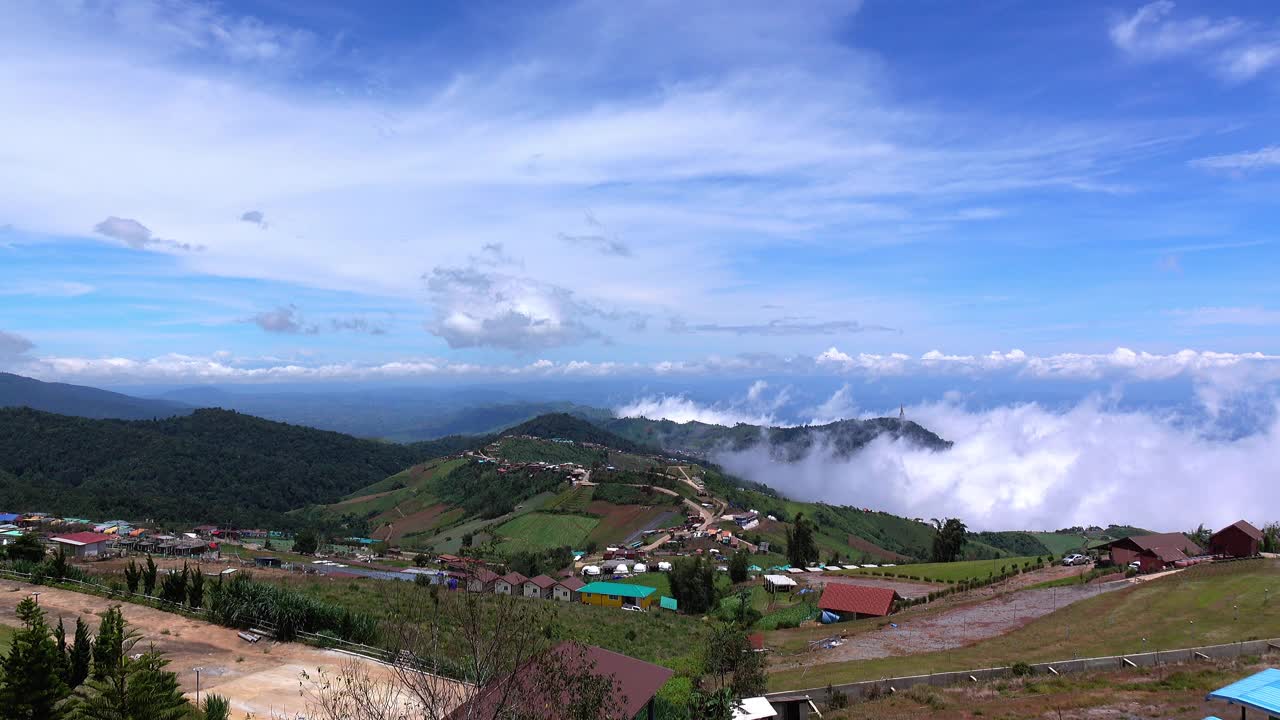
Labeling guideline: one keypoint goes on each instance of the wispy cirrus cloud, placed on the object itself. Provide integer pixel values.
(1235, 49)
(1241, 162)
(780, 327)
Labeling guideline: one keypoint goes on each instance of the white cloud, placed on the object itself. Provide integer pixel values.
(136, 235)
(840, 406)
(1242, 161)
(368, 187)
(1235, 49)
(1025, 467)
(681, 409)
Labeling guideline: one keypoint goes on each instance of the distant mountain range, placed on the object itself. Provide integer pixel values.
(789, 444)
(82, 401)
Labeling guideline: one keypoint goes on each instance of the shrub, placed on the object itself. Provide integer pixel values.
(1021, 669)
(836, 700)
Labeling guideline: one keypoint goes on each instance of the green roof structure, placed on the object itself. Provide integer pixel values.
(668, 603)
(619, 589)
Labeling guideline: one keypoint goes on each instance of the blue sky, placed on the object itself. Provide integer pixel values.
(271, 191)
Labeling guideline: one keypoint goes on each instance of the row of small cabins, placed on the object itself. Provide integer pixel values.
(569, 589)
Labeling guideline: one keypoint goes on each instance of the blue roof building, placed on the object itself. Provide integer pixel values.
(1259, 692)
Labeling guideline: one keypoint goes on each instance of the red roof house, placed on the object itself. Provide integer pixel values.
(567, 589)
(509, 584)
(1239, 539)
(635, 683)
(84, 544)
(482, 580)
(857, 601)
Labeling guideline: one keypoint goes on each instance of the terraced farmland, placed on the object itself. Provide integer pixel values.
(541, 531)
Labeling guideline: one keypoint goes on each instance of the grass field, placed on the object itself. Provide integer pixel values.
(525, 450)
(541, 531)
(1188, 609)
(6, 638)
(574, 499)
(946, 572)
(1061, 544)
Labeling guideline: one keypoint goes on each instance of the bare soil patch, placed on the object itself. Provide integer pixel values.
(418, 521)
(871, 548)
(261, 678)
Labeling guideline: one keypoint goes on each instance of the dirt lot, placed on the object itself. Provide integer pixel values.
(951, 628)
(261, 679)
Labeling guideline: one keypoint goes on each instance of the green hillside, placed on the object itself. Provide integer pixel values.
(209, 466)
(569, 427)
(80, 401)
(844, 437)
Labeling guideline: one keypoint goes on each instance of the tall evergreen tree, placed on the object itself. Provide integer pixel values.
(134, 689)
(802, 548)
(60, 640)
(81, 655)
(32, 685)
(149, 577)
(110, 644)
(195, 589)
(132, 575)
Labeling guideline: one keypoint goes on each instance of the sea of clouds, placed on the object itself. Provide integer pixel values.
(1031, 465)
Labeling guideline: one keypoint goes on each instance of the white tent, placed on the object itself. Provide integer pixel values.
(779, 582)
(640, 567)
(664, 566)
(591, 570)
(621, 569)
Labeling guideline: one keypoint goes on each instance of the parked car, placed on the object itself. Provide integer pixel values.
(1075, 559)
(633, 608)
(1135, 565)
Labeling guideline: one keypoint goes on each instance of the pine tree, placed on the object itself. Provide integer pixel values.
(109, 646)
(132, 575)
(81, 655)
(195, 589)
(32, 686)
(60, 640)
(134, 689)
(149, 577)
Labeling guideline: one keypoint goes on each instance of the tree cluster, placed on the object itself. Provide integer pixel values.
(802, 546)
(45, 678)
(948, 539)
(693, 584)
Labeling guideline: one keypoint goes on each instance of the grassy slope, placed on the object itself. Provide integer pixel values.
(948, 572)
(1190, 608)
(1061, 543)
(526, 450)
(541, 531)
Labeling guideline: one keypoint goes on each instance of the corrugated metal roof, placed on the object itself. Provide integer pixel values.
(620, 589)
(668, 603)
(861, 599)
(1260, 692)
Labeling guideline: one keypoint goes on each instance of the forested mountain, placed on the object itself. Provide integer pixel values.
(844, 437)
(212, 465)
(399, 414)
(81, 401)
(571, 427)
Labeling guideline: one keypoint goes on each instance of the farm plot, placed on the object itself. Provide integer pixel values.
(623, 523)
(575, 499)
(542, 531)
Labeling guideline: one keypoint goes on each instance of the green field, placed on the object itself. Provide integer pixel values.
(575, 499)
(6, 637)
(542, 531)
(1061, 544)
(525, 450)
(946, 572)
(1188, 609)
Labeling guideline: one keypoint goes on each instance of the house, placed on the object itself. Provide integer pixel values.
(567, 589)
(1152, 552)
(84, 544)
(851, 601)
(746, 519)
(509, 584)
(609, 594)
(539, 587)
(635, 683)
(1240, 539)
(482, 580)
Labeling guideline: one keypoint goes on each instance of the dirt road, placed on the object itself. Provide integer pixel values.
(261, 679)
(952, 628)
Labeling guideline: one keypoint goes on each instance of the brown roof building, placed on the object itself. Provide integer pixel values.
(857, 601)
(1153, 552)
(1239, 539)
(635, 683)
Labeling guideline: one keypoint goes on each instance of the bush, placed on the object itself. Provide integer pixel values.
(836, 700)
(1021, 669)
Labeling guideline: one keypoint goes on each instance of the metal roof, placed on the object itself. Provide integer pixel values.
(621, 589)
(1260, 692)
(861, 599)
(668, 603)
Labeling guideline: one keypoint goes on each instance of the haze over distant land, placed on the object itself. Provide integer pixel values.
(1044, 232)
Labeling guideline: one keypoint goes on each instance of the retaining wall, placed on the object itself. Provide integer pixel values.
(858, 690)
